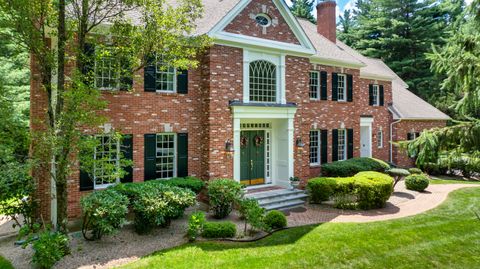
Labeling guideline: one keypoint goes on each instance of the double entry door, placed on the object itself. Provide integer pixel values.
(252, 157)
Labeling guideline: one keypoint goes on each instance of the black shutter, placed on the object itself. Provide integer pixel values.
(150, 74)
(409, 136)
(323, 85)
(334, 145)
(350, 143)
(349, 88)
(381, 95)
(182, 155)
(334, 86)
(182, 81)
(127, 151)
(417, 135)
(370, 95)
(324, 146)
(86, 182)
(150, 160)
(88, 69)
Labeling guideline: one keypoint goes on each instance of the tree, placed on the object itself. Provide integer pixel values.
(303, 9)
(346, 24)
(73, 102)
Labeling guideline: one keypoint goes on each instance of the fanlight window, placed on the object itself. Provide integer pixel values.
(263, 82)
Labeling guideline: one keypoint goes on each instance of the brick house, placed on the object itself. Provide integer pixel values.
(274, 97)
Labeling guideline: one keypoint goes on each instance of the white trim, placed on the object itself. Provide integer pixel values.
(345, 144)
(310, 85)
(375, 76)
(335, 62)
(319, 147)
(174, 154)
(344, 88)
(367, 122)
(380, 139)
(376, 98)
(117, 163)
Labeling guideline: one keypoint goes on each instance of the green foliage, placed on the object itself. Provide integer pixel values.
(104, 213)
(417, 182)
(398, 174)
(195, 225)
(352, 166)
(224, 229)
(303, 9)
(5, 264)
(155, 205)
(252, 213)
(415, 170)
(346, 23)
(17, 190)
(320, 189)
(49, 248)
(365, 190)
(275, 220)
(222, 194)
(192, 183)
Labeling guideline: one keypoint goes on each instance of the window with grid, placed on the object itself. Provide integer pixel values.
(107, 161)
(165, 80)
(342, 144)
(107, 71)
(342, 87)
(165, 159)
(314, 84)
(314, 147)
(380, 139)
(375, 95)
(263, 82)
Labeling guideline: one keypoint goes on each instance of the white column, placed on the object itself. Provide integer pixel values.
(291, 141)
(282, 93)
(246, 74)
(236, 147)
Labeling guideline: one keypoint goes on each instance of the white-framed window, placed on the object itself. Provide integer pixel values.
(342, 87)
(315, 147)
(342, 144)
(107, 160)
(380, 139)
(166, 144)
(376, 95)
(412, 135)
(314, 85)
(263, 82)
(107, 70)
(165, 80)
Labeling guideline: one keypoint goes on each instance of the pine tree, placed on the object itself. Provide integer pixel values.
(303, 9)
(345, 26)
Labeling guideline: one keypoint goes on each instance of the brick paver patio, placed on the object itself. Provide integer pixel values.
(401, 204)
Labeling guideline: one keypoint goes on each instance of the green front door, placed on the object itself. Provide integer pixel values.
(252, 157)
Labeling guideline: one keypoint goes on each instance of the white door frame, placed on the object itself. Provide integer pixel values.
(366, 122)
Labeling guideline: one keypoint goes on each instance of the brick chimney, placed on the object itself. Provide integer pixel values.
(326, 19)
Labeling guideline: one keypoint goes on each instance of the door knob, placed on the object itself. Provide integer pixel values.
(251, 165)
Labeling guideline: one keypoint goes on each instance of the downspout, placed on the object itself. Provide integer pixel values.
(391, 138)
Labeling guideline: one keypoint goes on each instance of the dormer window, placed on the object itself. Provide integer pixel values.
(263, 82)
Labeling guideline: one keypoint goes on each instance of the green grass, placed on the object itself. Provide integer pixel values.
(451, 180)
(446, 237)
(4, 264)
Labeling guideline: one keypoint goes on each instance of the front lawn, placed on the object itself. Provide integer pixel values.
(4, 264)
(451, 180)
(446, 237)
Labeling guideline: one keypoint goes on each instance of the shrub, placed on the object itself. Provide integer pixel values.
(417, 182)
(398, 174)
(49, 248)
(192, 183)
(320, 189)
(415, 170)
(222, 194)
(275, 220)
(195, 225)
(350, 167)
(224, 229)
(104, 213)
(252, 213)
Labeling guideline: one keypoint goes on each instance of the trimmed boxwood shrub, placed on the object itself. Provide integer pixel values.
(415, 170)
(275, 220)
(222, 194)
(365, 190)
(104, 212)
(350, 167)
(192, 183)
(224, 229)
(417, 182)
(320, 189)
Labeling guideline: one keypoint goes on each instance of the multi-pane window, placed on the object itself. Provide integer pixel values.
(376, 97)
(165, 80)
(314, 147)
(314, 85)
(342, 144)
(413, 135)
(107, 161)
(107, 71)
(165, 156)
(263, 82)
(380, 139)
(342, 87)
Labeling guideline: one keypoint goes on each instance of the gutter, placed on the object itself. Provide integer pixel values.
(391, 139)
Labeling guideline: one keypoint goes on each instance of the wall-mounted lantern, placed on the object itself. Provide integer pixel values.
(300, 143)
(229, 146)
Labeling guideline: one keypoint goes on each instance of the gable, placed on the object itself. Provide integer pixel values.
(245, 24)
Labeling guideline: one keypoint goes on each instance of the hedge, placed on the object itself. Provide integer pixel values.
(417, 182)
(224, 229)
(365, 190)
(353, 166)
(192, 183)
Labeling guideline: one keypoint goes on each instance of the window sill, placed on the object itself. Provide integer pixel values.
(317, 165)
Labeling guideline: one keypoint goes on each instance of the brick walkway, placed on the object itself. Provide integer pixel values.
(401, 204)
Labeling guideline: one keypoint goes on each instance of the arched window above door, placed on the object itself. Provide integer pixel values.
(263, 82)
